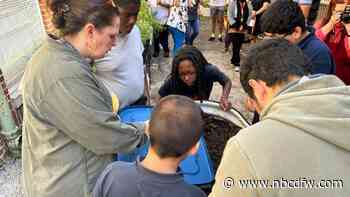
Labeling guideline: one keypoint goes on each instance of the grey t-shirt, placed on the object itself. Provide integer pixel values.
(133, 180)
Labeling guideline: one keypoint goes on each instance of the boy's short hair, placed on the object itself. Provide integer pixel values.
(273, 61)
(282, 17)
(175, 126)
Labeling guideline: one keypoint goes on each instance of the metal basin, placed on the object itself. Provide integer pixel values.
(197, 169)
(232, 115)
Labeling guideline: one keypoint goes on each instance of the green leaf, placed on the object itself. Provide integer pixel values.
(146, 22)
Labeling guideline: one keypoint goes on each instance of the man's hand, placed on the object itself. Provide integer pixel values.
(225, 104)
(335, 18)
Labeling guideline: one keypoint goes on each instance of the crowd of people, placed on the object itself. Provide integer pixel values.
(295, 78)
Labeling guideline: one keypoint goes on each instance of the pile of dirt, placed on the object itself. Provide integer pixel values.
(217, 132)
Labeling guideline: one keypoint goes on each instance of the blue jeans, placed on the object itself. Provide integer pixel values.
(178, 38)
(192, 31)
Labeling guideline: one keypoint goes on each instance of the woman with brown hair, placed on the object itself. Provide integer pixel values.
(334, 30)
(69, 130)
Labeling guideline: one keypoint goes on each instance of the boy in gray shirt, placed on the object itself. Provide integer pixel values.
(174, 129)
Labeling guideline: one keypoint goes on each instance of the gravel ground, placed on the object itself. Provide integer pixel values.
(10, 178)
(10, 172)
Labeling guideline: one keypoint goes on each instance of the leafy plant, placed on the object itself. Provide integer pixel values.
(146, 22)
(205, 3)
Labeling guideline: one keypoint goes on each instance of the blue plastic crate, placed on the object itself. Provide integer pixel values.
(197, 169)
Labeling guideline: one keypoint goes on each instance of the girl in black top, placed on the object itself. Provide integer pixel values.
(193, 76)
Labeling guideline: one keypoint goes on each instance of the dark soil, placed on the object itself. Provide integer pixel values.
(217, 131)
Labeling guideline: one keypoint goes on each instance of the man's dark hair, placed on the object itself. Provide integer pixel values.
(70, 16)
(124, 3)
(272, 61)
(175, 126)
(199, 62)
(282, 17)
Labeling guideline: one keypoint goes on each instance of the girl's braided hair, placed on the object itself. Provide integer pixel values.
(199, 62)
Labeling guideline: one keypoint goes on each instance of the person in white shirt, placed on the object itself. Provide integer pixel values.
(177, 23)
(121, 70)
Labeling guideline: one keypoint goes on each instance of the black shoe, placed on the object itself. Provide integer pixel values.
(211, 39)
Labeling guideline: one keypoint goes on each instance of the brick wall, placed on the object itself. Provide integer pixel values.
(47, 15)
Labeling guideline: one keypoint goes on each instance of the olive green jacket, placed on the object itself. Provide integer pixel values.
(69, 133)
(302, 141)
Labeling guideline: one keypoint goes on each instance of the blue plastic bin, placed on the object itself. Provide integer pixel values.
(197, 169)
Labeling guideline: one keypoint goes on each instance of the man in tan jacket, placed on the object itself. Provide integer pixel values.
(301, 145)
